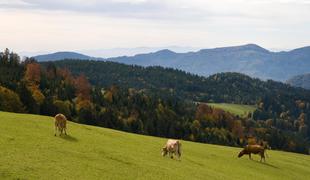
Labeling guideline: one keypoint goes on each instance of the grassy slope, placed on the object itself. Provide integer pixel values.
(29, 150)
(236, 109)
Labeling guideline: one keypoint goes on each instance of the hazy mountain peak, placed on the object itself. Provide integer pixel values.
(165, 52)
(65, 53)
(246, 47)
(253, 46)
(62, 55)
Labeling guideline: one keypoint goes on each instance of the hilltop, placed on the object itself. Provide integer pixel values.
(63, 55)
(29, 150)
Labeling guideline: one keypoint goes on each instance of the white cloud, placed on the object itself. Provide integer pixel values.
(192, 10)
(84, 24)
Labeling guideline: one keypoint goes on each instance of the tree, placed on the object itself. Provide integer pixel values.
(14, 59)
(84, 110)
(83, 87)
(63, 107)
(27, 99)
(33, 74)
(32, 78)
(237, 129)
(202, 111)
(5, 57)
(10, 101)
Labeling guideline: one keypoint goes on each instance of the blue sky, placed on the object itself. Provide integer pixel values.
(53, 25)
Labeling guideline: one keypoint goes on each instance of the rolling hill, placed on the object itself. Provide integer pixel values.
(220, 88)
(249, 59)
(29, 150)
(300, 81)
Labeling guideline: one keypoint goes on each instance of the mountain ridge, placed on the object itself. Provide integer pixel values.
(250, 59)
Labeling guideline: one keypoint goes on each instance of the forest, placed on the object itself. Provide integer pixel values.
(157, 101)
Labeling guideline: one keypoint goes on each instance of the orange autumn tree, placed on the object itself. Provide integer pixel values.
(84, 106)
(67, 76)
(83, 88)
(32, 78)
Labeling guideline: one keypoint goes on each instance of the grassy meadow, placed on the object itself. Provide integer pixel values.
(29, 150)
(237, 109)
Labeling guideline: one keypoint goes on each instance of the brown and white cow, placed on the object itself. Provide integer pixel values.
(172, 147)
(60, 124)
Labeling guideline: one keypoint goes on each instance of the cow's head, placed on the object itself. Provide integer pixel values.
(241, 154)
(164, 151)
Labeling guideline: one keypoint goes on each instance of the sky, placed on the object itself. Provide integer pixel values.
(80, 25)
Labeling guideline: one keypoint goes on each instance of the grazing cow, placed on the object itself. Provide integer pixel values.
(60, 124)
(172, 147)
(255, 149)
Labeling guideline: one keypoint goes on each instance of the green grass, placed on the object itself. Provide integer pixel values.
(29, 150)
(237, 109)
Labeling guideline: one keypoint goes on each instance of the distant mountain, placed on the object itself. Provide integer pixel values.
(249, 59)
(300, 81)
(63, 55)
(116, 52)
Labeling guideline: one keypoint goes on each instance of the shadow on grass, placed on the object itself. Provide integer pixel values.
(120, 160)
(266, 164)
(68, 138)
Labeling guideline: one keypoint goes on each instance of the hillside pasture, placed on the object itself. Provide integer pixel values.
(236, 109)
(29, 150)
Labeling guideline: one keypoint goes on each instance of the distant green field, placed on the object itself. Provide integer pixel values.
(29, 150)
(237, 109)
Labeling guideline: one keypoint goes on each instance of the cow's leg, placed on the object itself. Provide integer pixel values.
(250, 156)
(55, 130)
(65, 131)
(177, 152)
(262, 157)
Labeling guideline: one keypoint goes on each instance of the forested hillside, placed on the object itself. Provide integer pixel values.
(157, 101)
(300, 81)
(222, 87)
